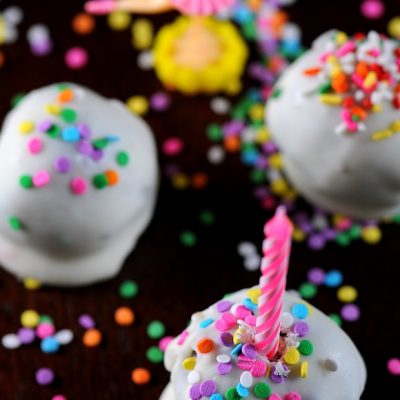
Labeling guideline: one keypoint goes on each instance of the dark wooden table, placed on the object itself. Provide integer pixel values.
(176, 281)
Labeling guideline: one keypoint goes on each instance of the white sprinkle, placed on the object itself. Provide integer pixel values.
(216, 154)
(291, 31)
(359, 95)
(13, 15)
(38, 33)
(10, 34)
(252, 263)
(64, 336)
(340, 129)
(246, 249)
(223, 358)
(248, 135)
(286, 320)
(193, 377)
(246, 380)
(220, 105)
(145, 60)
(10, 341)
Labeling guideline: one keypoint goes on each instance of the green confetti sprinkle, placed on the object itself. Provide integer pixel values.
(17, 99)
(214, 133)
(68, 115)
(343, 239)
(128, 289)
(26, 181)
(100, 181)
(232, 394)
(54, 131)
(326, 88)
(15, 223)
(122, 158)
(257, 176)
(155, 329)
(154, 354)
(336, 318)
(207, 217)
(306, 347)
(188, 238)
(308, 290)
(276, 93)
(100, 143)
(262, 390)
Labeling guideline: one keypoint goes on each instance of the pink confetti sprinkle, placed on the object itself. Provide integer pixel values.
(44, 330)
(41, 178)
(372, 9)
(35, 145)
(393, 366)
(76, 58)
(172, 146)
(165, 342)
(78, 185)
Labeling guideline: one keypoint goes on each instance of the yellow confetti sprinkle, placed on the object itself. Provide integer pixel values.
(371, 234)
(138, 105)
(298, 235)
(263, 135)
(279, 187)
(395, 126)
(26, 127)
(119, 20)
(53, 109)
(341, 38)
(304, 369)
(292, 356)
(180, 181)
(30, 319)
(381, 135)
(189, 363)
(331, 99)
(256, 112)
(370, 80)
(394, 27)
(347, 294)
(142, 34)
(276, 161)
(32, 284)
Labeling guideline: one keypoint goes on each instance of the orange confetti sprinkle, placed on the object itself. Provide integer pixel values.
(312, 71)
(141, 376)
(205, 345)
(83, 24)
(112, 177)
(124, 316)
(92, 338)
(199, 180)
(65, 96)
(232, 144)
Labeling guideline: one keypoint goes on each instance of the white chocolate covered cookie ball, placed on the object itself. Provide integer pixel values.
(335, 115)
(78, 183)
(216, 356)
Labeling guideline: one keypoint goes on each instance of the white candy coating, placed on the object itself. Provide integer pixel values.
(344, 173)
(69, 239)
(332, 348)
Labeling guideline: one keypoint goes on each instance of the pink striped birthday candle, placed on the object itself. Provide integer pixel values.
(274, 267)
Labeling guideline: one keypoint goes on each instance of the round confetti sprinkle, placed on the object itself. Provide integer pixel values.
(154, 354)
(44, 329)
(306, 347)
(64, 336)
(292, 356)
(26, 335)
(394, 27)
(333, 278)
(172, 146)
(83, 24)
(350, 312)
(205, 345)
(128, 289)
(30, 319)
(316, 276)
(188, 238)
(156, 329)
(44, 376)
(262, 390)
(165, 342)
(300, 311)
(124, 316)
(92, 338)
(336, 318)
(393, 366)
(160, 101)
(347, 294)
(49, 345)
(26, 181)
(100, 181)
(76, 58)
(35, 145)
(122, 158)
(141, 376)
(308, 290)
(78, 185)
(138, 105)
(119, 20)
(86, 321)
(32, 284)
(372, 9)
(11, 341)
(15, 223)
(41, 178)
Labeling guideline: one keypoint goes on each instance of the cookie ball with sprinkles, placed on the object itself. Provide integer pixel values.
(335, 116)
(78, 178)
(217, 356)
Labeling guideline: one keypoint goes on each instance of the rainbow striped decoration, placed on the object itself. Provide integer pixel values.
(274, 267)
